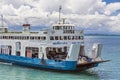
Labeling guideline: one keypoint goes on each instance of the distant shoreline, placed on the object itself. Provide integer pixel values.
(102, 35)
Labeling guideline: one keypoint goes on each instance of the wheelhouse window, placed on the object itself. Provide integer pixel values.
(44, 32)
(57, 27)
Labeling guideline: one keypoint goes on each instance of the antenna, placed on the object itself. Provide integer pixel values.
(60, 7)
(26, 21)
(1, 20)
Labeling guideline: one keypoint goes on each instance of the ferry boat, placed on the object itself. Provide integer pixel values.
(59, 48)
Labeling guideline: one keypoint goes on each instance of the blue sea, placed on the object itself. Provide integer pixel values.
(105, 71)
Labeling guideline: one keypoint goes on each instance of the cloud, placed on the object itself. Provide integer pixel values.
(87, 14)
(111, 8)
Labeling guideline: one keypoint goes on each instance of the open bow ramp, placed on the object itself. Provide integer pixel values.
(88, 65)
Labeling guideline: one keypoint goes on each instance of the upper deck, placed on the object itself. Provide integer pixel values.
(58, 32)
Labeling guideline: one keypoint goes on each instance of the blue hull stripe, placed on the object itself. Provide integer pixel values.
(38, 63)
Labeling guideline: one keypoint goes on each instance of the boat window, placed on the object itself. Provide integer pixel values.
(72, 37)
(8, 37)
(17, 53)
(73, 27)
(76, 37)
(56, 27)
(65, 49)
(61, 38)
(53, 27)
(64, 31)
(63, 27)
(31, 52)
(56, 37)
(51, 38)
(69, 27)
(43, 38)
(59, 49)
(18, 46)
(56, 53)
(27, 37)
(54, 49)
(44, 32)
(31, 37)
(79, 37)
(69, 37)
(65, 37)
(68, 31)
(73, 31)
(5, 49)
(38, 38)
(16, 37)
(82, 37)
(40, 49)
(11, 37)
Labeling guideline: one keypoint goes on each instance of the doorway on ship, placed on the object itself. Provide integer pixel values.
(81, 52)
(31, 52)
(5, 49)
(56, 53)
(17, 53)
(10, 50)
(82, 57)
(18, 48)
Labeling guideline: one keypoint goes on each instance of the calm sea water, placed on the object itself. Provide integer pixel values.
(105, 71)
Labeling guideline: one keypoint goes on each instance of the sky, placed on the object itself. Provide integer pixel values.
(94, 16)
(111, 1)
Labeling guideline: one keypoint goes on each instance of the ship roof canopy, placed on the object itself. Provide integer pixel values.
(63, 25)
(3, 27)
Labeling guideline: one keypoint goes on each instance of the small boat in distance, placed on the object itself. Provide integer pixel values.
(60, 48)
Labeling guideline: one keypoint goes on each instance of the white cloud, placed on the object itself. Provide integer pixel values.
(111, 8)
(88, 14)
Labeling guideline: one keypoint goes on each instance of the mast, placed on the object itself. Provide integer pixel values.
(1, 20)
(60, 7)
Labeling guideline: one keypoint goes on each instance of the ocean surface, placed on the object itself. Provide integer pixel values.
(106, 71)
